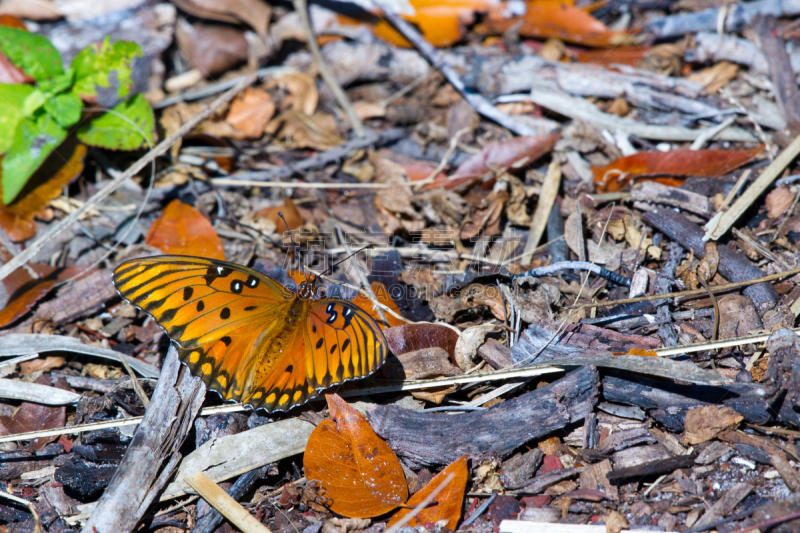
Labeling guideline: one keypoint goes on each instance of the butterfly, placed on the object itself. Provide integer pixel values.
(247, 336)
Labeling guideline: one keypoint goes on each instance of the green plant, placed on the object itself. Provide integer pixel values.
(35, 119)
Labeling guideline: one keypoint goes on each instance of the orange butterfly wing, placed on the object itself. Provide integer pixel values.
(247, 336)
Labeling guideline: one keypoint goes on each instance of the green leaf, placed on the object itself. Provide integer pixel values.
(33, 102)
(33, 53)
(11, 112)
(34, 140)
(65, 108)
(121, 132)
(102, 64)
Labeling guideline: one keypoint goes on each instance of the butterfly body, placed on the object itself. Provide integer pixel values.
(247, 336)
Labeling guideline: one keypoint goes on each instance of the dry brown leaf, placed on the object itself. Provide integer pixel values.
(251, 111)
(298, 130)
(715, 77)
(615, 522)
(778, 201)
(303, 96)
(468, 343)
(254, 13)
(211, 49)
(707, 268)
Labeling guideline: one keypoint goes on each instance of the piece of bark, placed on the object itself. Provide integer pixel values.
(595, 477)
(152, 455)
(497, 354)
(519, 469)
(620, 476)
(434, 438)
(668, 403)
(625, 438)
(715, 451)
(774, 455)
(737, 317)
(652, 191)
(542, 482)
(725, 505)
(639, 455)
(780, 68)
(782, 380)
(733, 266)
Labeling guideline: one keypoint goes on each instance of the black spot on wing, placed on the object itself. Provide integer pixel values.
(187, 293)
(251, 308)
(200, 306)
(237, 286)
(320, 343)
(225, 314)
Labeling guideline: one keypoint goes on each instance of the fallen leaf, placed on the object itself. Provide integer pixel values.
(707, 268)
(412, 337)
(297, 130)
(615, 522)
(468, 343)
(36, 417)
(778, 201)
(624, 55)
(254, 13)
(303, 96)
(383, 297)
(545, 19)
(681, 163)
(211, 49)
(24, 291)
(293, 217)
(28, 9)
(17, 219)
(9, 73)
(497, 157)
(182, 230)
(705, 423)
(250, 112)
(446, 505)
(359, 475)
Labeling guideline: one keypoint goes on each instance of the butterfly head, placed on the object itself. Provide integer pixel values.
(307, 290)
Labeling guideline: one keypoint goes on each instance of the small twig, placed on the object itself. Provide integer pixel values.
(230, 508)
(722, 222)
(36, 246)
(136, 385)
(547, 199)
(705, 285)
(422, 505)
(478, 102)
(305, 185)
(301, 7)
(479, 511)
(550, 270)
(445, 158)
(694, 292)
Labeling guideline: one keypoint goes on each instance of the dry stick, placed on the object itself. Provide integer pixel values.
(136, 385)
(547, 198)
(153, 454)
(112, 186)
(478, 102)
(422, 505)
(722, 222)
(301, 6)
(226, 505)
(694, 292)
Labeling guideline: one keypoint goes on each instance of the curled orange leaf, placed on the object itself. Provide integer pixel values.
(676, 163)
(545, 19)
(182, 230)
(448, 502)
(359, 475)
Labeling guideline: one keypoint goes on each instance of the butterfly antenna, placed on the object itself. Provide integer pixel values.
(294, 246)
(330, 268)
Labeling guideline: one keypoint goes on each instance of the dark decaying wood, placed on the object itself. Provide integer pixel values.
(436, 438)
(211, 521)
(152, 455)
(621, 476)
(668, 402)
(782, 380)
(733, 266)
(780, 68)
